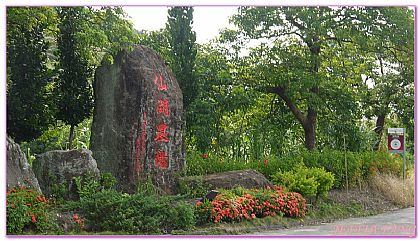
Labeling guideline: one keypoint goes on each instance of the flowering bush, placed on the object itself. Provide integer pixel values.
(26, 209)
(80, 223)
(249, 204)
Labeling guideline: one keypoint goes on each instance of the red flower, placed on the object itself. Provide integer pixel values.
(205, 155)
(265, 162)
(33, 218)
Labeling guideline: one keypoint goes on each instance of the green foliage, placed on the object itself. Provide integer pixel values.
(86, 185)
(181, 40)
(29, 76)
(199, 164)
(42, 84)
(59, 191)
(316, 67)
(147, 188)
(361, 165)
(134, 214)
(74, 90)
(204, 212)
(193, 187)
(158, 41)
(56, 138)
(28, 210)
(108, 181)
(310, 182)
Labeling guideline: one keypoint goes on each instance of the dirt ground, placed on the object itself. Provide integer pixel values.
(371, 200)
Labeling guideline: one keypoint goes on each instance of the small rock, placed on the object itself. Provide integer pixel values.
(60, 167)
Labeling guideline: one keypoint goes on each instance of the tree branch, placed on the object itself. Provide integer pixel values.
(280, 91)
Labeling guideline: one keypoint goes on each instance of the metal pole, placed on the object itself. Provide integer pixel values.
(405, 163)
(345, 165)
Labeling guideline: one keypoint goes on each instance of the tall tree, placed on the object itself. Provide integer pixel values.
(182, 43)
(74, 90)
(87, 37)
(390, 81)
(302, 37)
(29, 107)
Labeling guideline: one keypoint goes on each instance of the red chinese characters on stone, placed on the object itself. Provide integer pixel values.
(161, 134)
(160, 82)
(161, 160)
(138, 153)
(163, 107)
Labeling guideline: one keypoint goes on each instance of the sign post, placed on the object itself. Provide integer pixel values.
(396, 144)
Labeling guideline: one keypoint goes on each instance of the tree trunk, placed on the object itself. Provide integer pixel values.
(71, 137)
(380, 122)
(310, 130)
(308, 122)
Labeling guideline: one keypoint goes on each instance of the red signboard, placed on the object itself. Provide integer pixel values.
(395, 142)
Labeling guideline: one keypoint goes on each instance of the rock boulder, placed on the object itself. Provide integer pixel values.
(60, 167)
(18, 170)
(227, 180)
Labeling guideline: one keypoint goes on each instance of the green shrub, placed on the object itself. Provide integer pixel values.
(28, 210)
(85, 185)
(108, 181)
(193, 186)
(310, 182)
(325, 180)
(110, 210)
(203, 164)
(56, 138)
(360, 165)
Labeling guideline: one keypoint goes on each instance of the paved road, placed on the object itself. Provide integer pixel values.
(397, 223)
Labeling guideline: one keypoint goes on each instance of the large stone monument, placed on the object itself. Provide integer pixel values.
(137, 121)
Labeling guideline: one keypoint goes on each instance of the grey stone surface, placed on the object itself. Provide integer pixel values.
(227, 180)
(18, 170)
(60, 167)
(130, 105)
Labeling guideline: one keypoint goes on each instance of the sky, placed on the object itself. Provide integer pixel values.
(207, 21)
